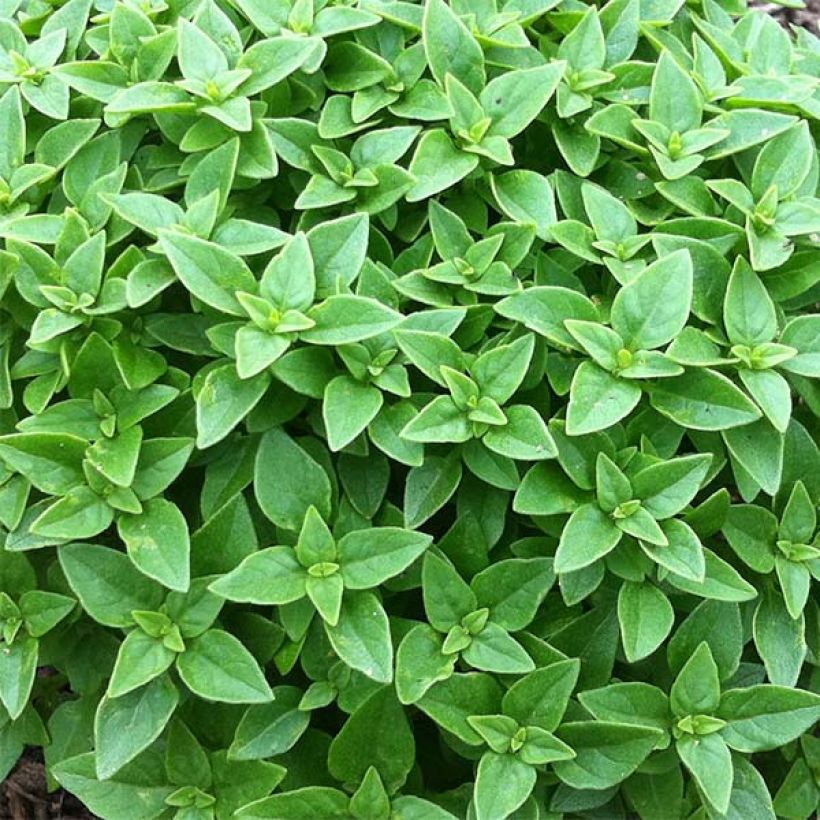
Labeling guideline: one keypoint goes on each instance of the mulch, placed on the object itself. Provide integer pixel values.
(806, 17)
(24, 795)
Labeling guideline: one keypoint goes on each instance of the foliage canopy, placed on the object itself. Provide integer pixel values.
(410, 410)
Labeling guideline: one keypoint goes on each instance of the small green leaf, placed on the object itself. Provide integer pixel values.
(362, 637)
(503, 783)
(158, 543)
(217, 667)
(126, 725)
(709, 761)
(646, 618)
(652, 308)
(209, 272)
(588, 535)
(605, 753)
(598, 400)
(367, 558)
(450, 48)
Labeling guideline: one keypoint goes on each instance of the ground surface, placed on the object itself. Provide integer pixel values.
(24, 796)
(808, 16)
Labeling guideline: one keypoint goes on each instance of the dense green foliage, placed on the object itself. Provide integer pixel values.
(410, 410)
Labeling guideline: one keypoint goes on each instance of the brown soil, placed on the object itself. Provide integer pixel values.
(807, 17)
(24, 795)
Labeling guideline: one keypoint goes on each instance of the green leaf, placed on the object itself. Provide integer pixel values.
(500, 371)
(514, 99)
(545, 309)
(185, 760)
(709, 761)
(652, 308)
(503, 783)
(765, 716)
(759, 449)
(703, 399)
(208, 271)
(779, 639)
(140, 659)
(18, 667)
(440, 421)
(437, 163)
(223, 402)
(799, 518)
(721, 581)
(52, 462)
(270, 729)
(588, 535)
(674, 100)
(668, 487)
(447, 597)
(585, 46)
(633, 702)
(749, 791)
(287, 481)
(718, 624)
(271, 60)
(42, 611)
(100, 79)
(646, 618)
(420, 663)
(546, 490)
(377, 734)
(348, 407)
(605, 753)
(14, 132)
(344, 319)
(80, 513)
(541, 697)
(338, 248)
(367, 558)
(326, 595)
(513, 590)
(107, 584)
(216, 666)
(126, 725)
(452, 701)
(450, 48)
(148, 212)
(320, 801)
(598, 400)
(783, 162)
(270, 576)
(429, 487)
(696, 689)
(495, 650)
(199, 57)
(748, 311)
(611, 219)
(362, 636)
(158, 543)
(137, 790)
(526, 197)
(801, 334)
(288, 280)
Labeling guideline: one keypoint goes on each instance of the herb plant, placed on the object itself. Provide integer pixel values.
(410, 409)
